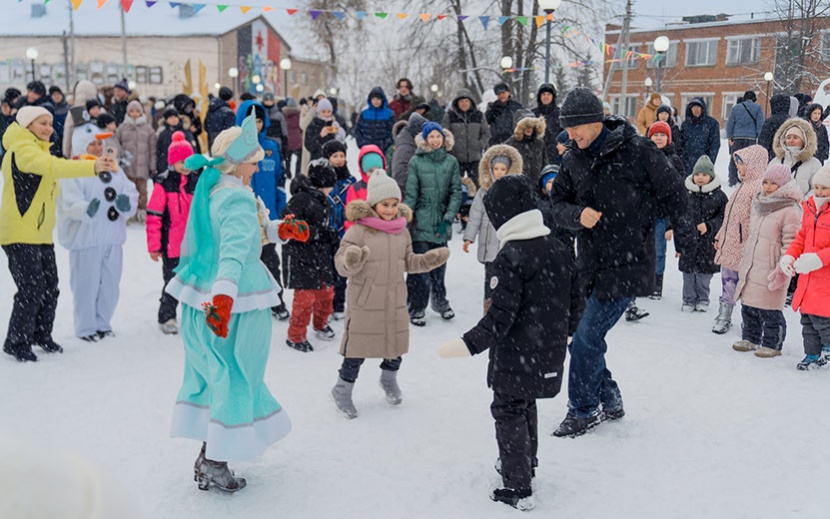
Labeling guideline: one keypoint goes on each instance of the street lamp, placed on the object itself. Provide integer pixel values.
(661, 46)
(260, 87)
(32, 54)
(434, 88)
(255, 79)
(648, 84)
(332, 91)
(506, 63)
(768, 78)
(548, 6)
(285, 66)
(233, 72)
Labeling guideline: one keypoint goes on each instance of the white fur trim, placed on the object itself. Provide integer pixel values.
(224, 287)
(523, 226)
(193, 297)
(272, 232)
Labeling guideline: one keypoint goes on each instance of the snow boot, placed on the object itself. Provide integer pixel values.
(338, 316)
(49, 346)
(418, 318)
(447, 314)
(93, 337)
(389, 384)
(104, 333)
(169, 327)
(325, 333)
(518, 499)
(634, 314)
(744, 345)
(767, 353)
(303, 346)
(573, 426)
(687, 308)
(825, 352)
(702, 306)
(217, 473)
(811, 362)
(280, 312)
(612, 414)
(22, 352)
(658, 288)
(342, 395)
(724, 319)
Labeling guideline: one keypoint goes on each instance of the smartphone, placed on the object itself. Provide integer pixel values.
(329, 123)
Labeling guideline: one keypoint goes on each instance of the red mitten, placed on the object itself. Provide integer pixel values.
(218, 314)
(293, 229)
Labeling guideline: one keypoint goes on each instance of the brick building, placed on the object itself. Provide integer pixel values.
(716, 60)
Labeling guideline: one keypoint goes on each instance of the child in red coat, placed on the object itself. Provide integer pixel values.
(809, 255)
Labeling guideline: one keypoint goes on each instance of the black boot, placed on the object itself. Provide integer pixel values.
(22, 352)
(658, 288)
(632, 313)
(519, 499)
(573, 426)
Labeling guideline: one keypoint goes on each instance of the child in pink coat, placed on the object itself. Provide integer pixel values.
(809, 255)
(369, 158)
(167, 214)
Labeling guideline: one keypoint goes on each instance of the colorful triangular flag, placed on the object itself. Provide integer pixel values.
(151, 3)
(381, 15)
(539, 20)
(462, 17)
(291, 11)
(221, 7)
(76, 4)
(522, 20)
(314, 13)
(198, 7)
(503, 19)
(267, 9)
(402, 15)
(339, 15)
(100, 3)
(424, 16)
(244, 8)
(360, 14)
(484, 21)
(126, 5)
(172, 4)
(441, 16)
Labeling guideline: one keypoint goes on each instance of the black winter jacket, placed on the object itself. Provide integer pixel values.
(219, 118)
(312, 140)
(165, 137)
(309, 265)
(626, 178)
(706, 205)
(500, 118)
(551, 114)
(780, 111)
(701, 136)
(532, 150)
(823, 145)
(526, 328)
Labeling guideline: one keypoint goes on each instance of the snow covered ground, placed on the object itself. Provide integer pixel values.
(709, 432)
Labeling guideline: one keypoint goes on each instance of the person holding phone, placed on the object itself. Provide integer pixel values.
(322, 130)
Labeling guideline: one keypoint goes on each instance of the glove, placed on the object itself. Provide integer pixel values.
(355, 257)
(93, 206)
(122, 203)
(807, 262)
(293, 229)
(443, 229)
(437, 257)
(456, 348)
(218, 314)
(786, 265)
(777, 279)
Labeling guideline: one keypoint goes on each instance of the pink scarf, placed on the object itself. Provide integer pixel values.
(395, 226)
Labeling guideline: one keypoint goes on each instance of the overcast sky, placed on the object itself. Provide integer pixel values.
(653, 13)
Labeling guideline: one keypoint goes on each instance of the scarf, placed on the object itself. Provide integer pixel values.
(395, 226)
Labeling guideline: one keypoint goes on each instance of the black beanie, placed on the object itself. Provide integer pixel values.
(104, 119)
(92, 103)
(332, 147)
(55, 88)
(37, 87)
(581, 106)
(169, 111)
(321, 174)
(509, 196)
(225, 93)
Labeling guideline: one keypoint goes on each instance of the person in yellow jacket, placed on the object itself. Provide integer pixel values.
(27, 220)
(648, 113)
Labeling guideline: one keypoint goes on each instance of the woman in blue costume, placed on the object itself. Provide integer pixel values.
(227, 294)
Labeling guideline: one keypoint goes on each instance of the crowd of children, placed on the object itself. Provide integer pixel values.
(366, 251)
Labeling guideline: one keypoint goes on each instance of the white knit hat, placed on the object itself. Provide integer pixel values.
(822, 176)
(381, 187)
(27, 114)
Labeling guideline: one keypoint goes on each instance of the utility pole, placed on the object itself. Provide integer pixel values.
(623, 33)
(624, 62)
(71, 72)
(65, 62)
(123, 44)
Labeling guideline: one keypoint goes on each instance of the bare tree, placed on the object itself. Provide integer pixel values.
(335, 34)
(798, 50)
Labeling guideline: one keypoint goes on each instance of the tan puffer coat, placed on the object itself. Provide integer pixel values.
(377, 320)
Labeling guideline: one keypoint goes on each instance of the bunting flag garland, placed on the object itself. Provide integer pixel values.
(610, 53)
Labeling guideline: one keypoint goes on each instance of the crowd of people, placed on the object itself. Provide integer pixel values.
(570, 207)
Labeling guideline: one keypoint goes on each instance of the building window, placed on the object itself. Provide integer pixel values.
(141, 75)
(304, 78)
(632, 62)
(745, 50)
(112, 74)
(825, 46)
(730, 100)
(156, 76)
(669, 57)
(630, 105)
(96, 73)
(701, 53)
(685, 98)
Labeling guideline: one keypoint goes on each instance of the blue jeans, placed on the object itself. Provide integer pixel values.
(589, 381)
(660, 225)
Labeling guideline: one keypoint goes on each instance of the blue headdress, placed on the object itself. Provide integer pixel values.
(198, 251)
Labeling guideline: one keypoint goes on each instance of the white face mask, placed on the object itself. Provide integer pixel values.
(794, 149)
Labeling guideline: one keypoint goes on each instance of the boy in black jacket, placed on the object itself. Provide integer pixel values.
(531, 284)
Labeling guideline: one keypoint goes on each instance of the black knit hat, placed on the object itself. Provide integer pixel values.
(123, 85)
(509, 196)
(92, 103)
(103, 120)
(501, 87)
(321, 174)
(55, 88)
(169, 111)
(225, 93)
(37, 87)
(581, 106)
(332, 147)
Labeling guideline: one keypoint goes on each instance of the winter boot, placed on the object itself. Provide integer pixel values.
(49, 346)
(169, 327)
(633, 314)
(767, 353)
(338, 316)
(418, 318)
(825, 352)
(702, 306)
(199, 460)
(724, 319)
(744, 346)
(102, 334)
(389, 383)
(218, 474)
(687, 308)
(573, 426)
(342, 395)
(280, 312)
(811, 362)
(303, 346)
(325, 333)
(22, 352)
(518, 499)
(658, 288)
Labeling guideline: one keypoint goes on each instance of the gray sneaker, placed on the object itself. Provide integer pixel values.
(217, 474)
(389, 384)
(169, 327)
(342, 395)
(687, 307)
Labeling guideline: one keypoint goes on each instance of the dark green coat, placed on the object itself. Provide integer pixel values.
(433, 190)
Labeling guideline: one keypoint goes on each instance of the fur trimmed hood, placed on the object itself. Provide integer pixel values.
(810, 144)
(516, 163)
(449, 142)
(525, 119)
(358, 209)
(706, 188)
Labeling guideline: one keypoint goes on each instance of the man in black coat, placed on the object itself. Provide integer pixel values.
(120, 100)
(609, 189)
(779, 106)
(701, 134)
(499, 114)
(220, 117)
(546, 107)
(526, 329)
